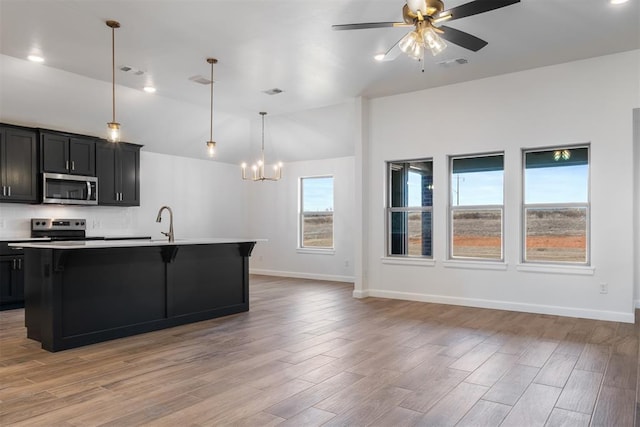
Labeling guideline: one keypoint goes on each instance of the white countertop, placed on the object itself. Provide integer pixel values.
(98, 244)
(24, 239)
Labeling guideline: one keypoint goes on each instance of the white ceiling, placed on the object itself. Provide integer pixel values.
(288, 44)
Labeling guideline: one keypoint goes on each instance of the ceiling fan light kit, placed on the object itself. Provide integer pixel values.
(423, 15)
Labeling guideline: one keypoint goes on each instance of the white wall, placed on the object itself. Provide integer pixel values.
(274, 216)
(578, 102)
(208, 200)
(636, 186)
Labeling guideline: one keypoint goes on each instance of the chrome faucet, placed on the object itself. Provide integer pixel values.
(159, 219)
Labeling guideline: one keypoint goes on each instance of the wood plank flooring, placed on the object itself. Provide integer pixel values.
(309, 354)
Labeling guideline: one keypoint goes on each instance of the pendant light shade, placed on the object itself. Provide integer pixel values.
(211, 144)
(113, 127)
(258, 167)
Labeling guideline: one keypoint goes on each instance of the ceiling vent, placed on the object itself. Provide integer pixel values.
(131, 70)
(453, 62)
(200, 79)
(273, 91)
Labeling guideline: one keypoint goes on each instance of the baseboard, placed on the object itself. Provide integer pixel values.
(360, 294)
(614, 316)
(297, 275)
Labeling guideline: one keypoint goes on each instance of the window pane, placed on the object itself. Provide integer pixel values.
(317, 230)
(557, 176)
(411, 233)
(411, 184)
(317, 194)
(556, 234)
(477, 181)
(477, 233)
(317, 212)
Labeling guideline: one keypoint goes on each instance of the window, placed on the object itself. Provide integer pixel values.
(409, 208)
(556, 205)
(316, 212)
(477, 207)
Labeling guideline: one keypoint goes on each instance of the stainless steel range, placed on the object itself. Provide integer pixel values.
(61, 229)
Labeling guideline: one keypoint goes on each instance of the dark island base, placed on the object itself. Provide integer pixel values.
(77, 297)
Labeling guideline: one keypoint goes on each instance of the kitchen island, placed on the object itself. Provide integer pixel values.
(83, 292)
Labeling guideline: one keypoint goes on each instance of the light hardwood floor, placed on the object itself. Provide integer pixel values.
(309, 354)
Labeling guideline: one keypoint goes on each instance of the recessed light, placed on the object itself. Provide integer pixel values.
(35, 58)
(149, 89)
(618, 1)
(379, 57)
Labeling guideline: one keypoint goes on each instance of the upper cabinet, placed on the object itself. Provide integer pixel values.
(68, 154)
(18, 165)
(118, 172)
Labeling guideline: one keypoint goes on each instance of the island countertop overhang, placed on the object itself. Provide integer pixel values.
(106, 244)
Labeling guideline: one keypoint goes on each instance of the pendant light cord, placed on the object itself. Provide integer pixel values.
(113, 73)
(211, 126)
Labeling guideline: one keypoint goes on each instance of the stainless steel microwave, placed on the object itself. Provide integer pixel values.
(64, 189)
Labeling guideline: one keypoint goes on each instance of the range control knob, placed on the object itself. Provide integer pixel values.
(77, 223)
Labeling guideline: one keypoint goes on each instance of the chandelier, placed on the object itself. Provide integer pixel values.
(258, 167)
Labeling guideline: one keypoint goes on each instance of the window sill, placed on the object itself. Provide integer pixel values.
(421, 262)
(475, 265)
(557, 269)
(316, 251)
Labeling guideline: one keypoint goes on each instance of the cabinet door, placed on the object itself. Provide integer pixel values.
(106, 173)
(18, 165)
(55, 153)
(6, 271)
(82, 153)
(130, 175)
(17, 282)
(11, 279)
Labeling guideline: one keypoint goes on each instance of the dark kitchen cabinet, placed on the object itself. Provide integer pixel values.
(11, 278)
(67, 154)
(118, 172)
(18, 165)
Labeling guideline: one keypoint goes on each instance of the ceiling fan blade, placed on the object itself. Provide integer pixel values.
(393, 52)
(462, 39)
(476, 7)
(370, 25)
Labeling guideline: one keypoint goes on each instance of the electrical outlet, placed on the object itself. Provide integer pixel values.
(346, 263)
(1, 222)
(604, 288)
(96, 224)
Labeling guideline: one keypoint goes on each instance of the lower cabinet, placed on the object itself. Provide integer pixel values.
(11, 279)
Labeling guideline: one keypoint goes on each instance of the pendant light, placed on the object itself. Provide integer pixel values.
(211, 144)
(258, 167)
(113, 126)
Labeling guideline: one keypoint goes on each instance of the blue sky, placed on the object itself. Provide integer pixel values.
(318, 194)
(567, 184)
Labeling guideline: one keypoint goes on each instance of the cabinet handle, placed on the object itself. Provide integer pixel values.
(19, 263)
(73, 165)
(13, 264)
(66, 165)
(4, 190)
(9, 187)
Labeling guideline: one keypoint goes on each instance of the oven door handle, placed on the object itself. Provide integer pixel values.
(88, 190)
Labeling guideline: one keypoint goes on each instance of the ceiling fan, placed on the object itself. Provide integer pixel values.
(424, 15)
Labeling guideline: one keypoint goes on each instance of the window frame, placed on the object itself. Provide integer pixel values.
(453, 208)
(301, 213)
(389, 210)
(524, 206)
